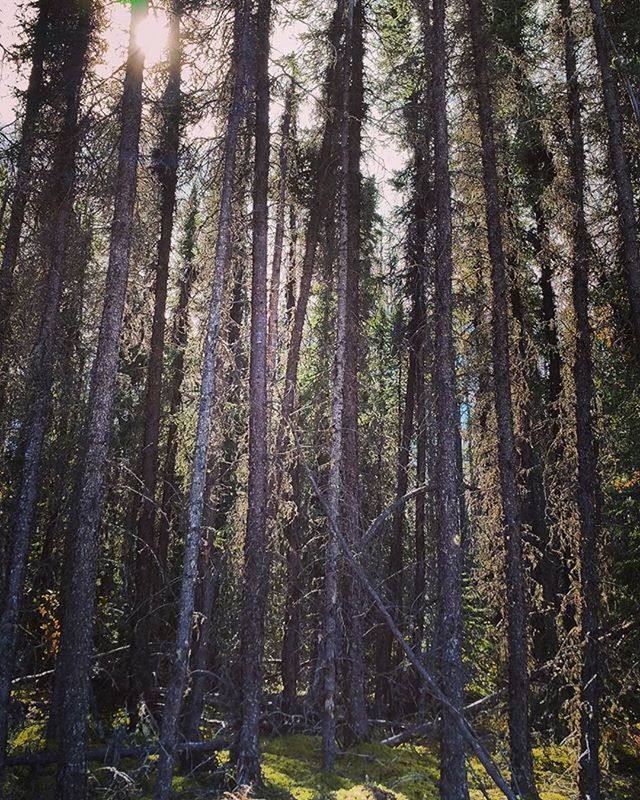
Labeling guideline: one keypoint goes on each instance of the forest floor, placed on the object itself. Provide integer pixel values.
(368, 772)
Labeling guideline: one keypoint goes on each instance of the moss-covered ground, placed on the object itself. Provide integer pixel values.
(291, 771)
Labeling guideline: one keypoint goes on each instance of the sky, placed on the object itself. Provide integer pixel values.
(381, 158)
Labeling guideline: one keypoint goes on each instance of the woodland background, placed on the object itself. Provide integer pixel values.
(319, 399)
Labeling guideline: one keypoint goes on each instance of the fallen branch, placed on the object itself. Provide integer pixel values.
(112, 752)
(37, 675)
(427, 727)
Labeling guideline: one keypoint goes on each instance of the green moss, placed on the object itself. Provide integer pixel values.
(291, 768)
(28, 739)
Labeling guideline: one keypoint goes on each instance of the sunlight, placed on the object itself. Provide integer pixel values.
(151, 36)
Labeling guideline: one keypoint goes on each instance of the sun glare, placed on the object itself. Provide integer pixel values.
(151, 36)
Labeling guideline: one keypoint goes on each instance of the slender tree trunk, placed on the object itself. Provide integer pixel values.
(21, 190)
(453, 774)
(518, 671)
(318, 209)
(179, 335)
(175, 691)
(62, 188)
(384, 688)
(357, 718)
(622, 175)
(255, 545)
(336, 488)
(278, 239)
(75, 645)
(588, 485)
(166, 163)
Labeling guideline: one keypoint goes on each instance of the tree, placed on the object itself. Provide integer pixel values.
(62, 187)
(518, 671)
(175, 691)
(255, 543)
(588, 488)
(166, 164)
(75, 647)
(453, 777)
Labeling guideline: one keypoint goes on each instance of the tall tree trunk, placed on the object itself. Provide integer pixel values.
(179, 335)
(166, 164)
(278, 239)
(28, 138)
(622, 175)
(291, 639)
(453, 775)
(385, 662)
(336, 488)
(357, 719)
(588, 489)
(175, 691)
(518, 671)
(255, 545)
(62, 191)
(75, 645)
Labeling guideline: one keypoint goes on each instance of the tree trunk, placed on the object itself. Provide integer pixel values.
(255, 545)
(278, 239)
(166, 165)
(453, 775)
(62, 191)
(336, 488)
(179, 335)
(588, 489)
(175, 691)
(75, 644)
(33, 104)
(357, 719)
(622, 175)
(518, 673)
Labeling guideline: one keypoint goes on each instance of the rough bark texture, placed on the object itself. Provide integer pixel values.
(357, 721)
(179, 336)
(453, 774)
(33, 103)
(255, 545)
(588, 484)
(621, 173)
(175, 690)
(75, 644)
(336, 488)
(278, 239)
(62, 188)
(166, 167)
(518, 672)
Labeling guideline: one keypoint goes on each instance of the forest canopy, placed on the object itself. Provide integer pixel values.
(320, 399)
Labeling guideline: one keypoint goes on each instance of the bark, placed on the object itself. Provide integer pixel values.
(255, 546)
(175, 691)
(166, 164)
(318, 209)
(62, 190)
(621, 172)
(179, 336)
(453, 775)
(278, 239)
(588, 490)
(34, 97)
(385, 662)
(75, 644)
(216, 517)
(357, 720)
(518, 674)
(336, 487)
(291, 640)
